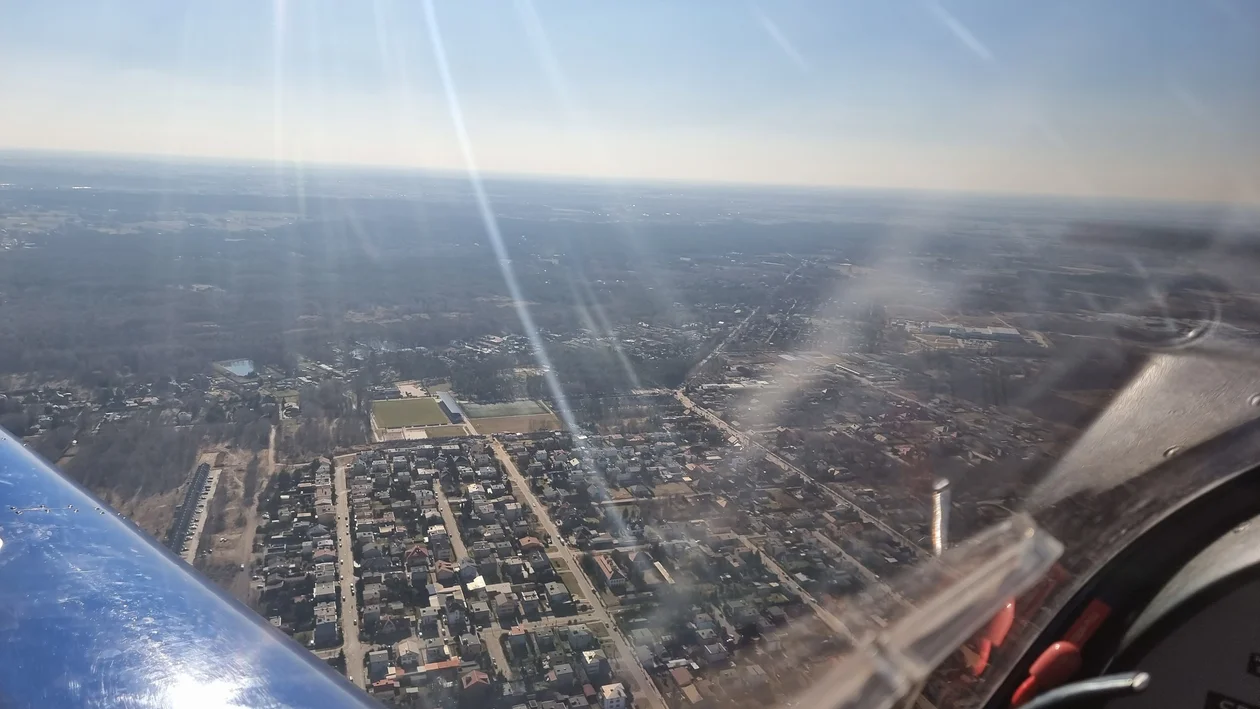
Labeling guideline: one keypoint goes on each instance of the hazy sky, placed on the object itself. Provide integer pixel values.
(1150, 98)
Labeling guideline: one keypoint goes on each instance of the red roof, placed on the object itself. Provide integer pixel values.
(475, 677)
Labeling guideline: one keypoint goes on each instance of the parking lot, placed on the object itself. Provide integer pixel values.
(188, 546)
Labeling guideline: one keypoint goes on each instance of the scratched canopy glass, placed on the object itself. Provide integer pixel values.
(746, 445)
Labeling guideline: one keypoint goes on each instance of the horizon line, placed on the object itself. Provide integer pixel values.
(458, 174)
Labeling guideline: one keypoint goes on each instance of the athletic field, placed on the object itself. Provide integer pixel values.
(397, 413)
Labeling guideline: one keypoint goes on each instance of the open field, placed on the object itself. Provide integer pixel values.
(397, 413)
(571, 583)
(439, 431)
(522, 407)
(410, 389)
(518, 424)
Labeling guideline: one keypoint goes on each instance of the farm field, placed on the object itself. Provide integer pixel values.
(522, 407)
(517, 424)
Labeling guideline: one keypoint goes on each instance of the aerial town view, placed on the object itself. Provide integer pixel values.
(644, 355)
(663, 473)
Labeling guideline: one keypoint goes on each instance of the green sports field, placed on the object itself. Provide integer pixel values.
(397, 413)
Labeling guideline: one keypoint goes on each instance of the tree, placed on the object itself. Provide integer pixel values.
(15, 423)
(216, 413)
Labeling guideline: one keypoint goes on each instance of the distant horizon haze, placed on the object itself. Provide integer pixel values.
(1071, 98)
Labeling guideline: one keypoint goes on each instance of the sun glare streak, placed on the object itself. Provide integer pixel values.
(607, 327)
(277, 87)
(488, 219)
(491, 224)
(780, 39)
(577, 116)
(587, 304)
(959, 30)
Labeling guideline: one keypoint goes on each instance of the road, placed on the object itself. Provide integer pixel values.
(452, 528)
(243, 587)
(839, 497)
(721, 346)
(731, 336)
(823, 614)
(490, 637)
(559, 621)
(199, 519)
(350, 645)
(823, 539)
(647, 696)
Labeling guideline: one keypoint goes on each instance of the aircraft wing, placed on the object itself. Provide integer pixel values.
(94, 613)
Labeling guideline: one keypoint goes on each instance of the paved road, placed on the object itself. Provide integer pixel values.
(647, 696)
(452, 525)
(351, 645)
(558, 622)
(836, 548)
(823, 614)
(490, 637)
(699, 367)
(839, 497)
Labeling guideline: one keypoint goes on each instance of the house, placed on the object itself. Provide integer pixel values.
(529, 544)
(614, 578)
(428, 621)
(456, 621)
(476, 686)
(514, 568)
(538, 562)
(580, 637)
(434, 650)
(324, 592)
(641, 561)
(327, 630)
(469, 645)
(777, 615)
(438, 536)
(480, 612)
(612, 696)
(505, 606)
(529, 602)
(325, 573)
(714, 652)
(558, 593)
(378, 663)
(595, 664)
(408, 653)
(562, 675)
(446, 573)
(518, 639)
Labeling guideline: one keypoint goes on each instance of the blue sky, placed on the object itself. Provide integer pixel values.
(1146, 98)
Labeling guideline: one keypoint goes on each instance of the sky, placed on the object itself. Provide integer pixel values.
(1156, 99)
